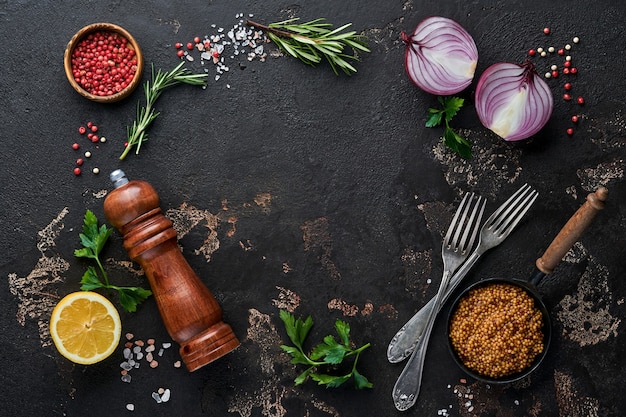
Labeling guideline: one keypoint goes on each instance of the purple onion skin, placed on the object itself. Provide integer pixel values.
(513, 101)
(440, 57)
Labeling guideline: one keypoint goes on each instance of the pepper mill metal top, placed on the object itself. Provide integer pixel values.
(191, 315)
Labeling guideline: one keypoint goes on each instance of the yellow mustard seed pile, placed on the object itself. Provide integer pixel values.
(497, 330)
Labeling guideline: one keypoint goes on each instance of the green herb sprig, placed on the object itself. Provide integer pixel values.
(137, 133)
(312, 41)
(93, 239)
(450, 107)
(328, 353)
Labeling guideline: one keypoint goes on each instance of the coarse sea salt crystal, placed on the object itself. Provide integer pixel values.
(156, 397)
(166, 395)
(126, 378)
(130, 407)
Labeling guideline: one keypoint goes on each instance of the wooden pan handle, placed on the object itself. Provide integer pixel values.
(572, 230)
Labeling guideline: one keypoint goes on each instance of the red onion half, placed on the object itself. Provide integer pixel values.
(441, 56)
(513, 101)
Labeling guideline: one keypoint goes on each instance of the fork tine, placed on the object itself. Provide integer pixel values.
(462, 222)
(519, 213)
(501, 214)
(455, 221)
(475, 220)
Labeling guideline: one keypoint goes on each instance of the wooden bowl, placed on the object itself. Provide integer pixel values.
(78, 38)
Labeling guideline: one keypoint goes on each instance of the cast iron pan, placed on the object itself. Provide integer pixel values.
(562, 243)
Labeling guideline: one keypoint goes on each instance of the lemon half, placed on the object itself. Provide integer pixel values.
(85, 327)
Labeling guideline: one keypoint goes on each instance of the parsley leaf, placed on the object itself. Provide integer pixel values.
(329, 353)
(93, 239)
(450, 106)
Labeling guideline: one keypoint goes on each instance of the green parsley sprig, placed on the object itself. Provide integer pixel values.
(137, 133)
(450, 107)
(312, 41)
(93, 239)
(328, 353)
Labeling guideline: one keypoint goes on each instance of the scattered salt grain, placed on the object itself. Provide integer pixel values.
(130, 407)
(177, 364)
(166, 345)
(156, 397)
(126, 378)
(166, 395)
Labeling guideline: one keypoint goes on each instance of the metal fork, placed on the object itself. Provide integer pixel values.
(456, 247)
(497, 227)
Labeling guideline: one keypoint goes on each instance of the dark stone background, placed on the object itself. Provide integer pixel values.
(346, 159)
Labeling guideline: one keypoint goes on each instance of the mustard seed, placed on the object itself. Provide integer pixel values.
(496, 330)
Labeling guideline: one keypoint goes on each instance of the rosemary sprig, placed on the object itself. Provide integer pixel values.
(312, 41)
(145, 115)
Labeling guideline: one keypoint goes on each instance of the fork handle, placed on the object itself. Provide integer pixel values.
(572, 230)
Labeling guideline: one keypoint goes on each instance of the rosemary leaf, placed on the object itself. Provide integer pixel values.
(137, 132)
(315, 40)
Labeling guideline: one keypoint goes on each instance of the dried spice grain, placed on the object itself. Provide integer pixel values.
(496, 330)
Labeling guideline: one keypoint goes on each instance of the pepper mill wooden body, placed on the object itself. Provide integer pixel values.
(191, 315)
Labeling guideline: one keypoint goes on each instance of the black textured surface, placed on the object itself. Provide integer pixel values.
(327, 187)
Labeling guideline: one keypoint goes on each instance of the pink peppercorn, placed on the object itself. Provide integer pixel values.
(76, 146)
(94, 128)
(570, 131)
(575, 119)
(77, 171)
(82, 130)
(580, 100)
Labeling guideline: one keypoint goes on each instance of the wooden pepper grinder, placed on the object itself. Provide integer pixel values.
(191, 315)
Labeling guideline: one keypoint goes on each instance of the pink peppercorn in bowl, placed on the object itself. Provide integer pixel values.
(103, 62)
